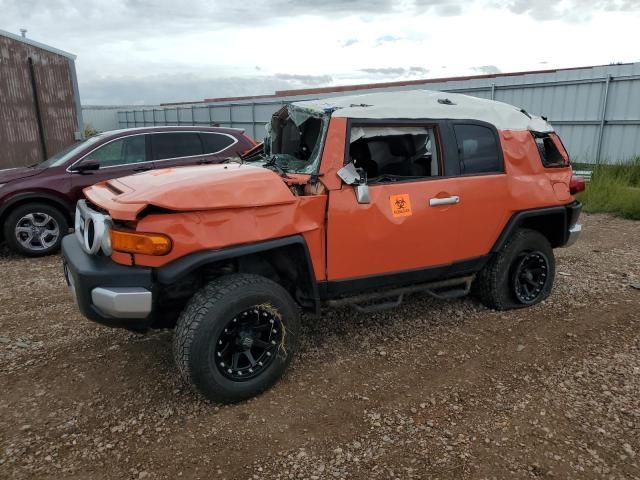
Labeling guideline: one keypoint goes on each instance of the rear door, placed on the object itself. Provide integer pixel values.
(486, 203)
(117, 158)
(174, 149)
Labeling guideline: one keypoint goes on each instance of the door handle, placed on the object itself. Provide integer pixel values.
(141, 169)
(452, 200)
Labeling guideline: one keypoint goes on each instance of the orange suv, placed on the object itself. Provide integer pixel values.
(356, 200)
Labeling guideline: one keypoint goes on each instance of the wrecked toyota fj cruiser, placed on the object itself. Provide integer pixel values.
(357, 200)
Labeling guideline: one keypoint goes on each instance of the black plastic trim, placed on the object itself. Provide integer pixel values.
(339, 288)
(174, 271)
(573, 213)
(570, 213)
(92, 271)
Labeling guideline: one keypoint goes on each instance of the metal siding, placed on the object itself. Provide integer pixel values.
(573, 99)
(19, 135)
(201, 116)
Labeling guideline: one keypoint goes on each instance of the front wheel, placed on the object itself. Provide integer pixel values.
(236, 337)
(35, 229)
(521, 274)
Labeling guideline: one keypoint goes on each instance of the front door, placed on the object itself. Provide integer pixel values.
(412, 220)
(406, 226)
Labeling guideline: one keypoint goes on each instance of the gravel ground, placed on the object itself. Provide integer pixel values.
(433, 389)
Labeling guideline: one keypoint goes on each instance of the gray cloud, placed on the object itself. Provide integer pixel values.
(349, 42)
(487, 69)
(444, 8)
(306, 80)
(395, 72)
(387, 39)
(155, 89)
(448, 10)
(143, 15)
(573, 10)
(392, 71)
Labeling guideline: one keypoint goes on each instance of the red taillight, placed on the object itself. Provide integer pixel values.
(576, 185)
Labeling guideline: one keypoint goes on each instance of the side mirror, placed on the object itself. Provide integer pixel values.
(349, 174)
(86, 167)
(356, 176)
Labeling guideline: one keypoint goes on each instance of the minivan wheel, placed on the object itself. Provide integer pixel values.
(35, 229)
(236, 337)
(521, 274)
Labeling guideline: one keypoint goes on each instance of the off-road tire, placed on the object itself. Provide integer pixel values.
(494, 285)
(203, 320)
(12, 219)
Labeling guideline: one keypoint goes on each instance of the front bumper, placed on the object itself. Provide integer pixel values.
(106, 292)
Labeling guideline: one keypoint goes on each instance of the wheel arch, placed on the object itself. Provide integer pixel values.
(35, 197)
(287, 259)
(549, 221)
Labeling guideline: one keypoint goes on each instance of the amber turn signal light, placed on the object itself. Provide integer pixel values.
(143, 243)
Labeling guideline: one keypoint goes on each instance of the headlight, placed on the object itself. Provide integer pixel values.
(92, 229)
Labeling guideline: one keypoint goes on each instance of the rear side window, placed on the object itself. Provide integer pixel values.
(549, 153)
(478, 149)
(215, 142)
(176, 145)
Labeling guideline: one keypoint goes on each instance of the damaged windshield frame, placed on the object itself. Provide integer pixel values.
(291, 119)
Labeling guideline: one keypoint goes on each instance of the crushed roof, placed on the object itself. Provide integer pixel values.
(428, 104)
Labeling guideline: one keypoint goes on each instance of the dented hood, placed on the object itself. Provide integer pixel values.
(207, 187)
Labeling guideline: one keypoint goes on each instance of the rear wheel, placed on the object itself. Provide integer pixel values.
(35, 229)
(521, 274)
(236, 337)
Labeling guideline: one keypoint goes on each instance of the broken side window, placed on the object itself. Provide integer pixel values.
(550, 154)
(394, 153)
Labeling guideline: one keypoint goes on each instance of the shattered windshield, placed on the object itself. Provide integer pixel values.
(294, 142)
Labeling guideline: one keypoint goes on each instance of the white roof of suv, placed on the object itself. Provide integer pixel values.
(428, 104)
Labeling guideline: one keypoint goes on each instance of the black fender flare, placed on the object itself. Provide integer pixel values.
(569, 214)
(180, 268)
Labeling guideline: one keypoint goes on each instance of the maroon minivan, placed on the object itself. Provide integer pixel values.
(37, 203)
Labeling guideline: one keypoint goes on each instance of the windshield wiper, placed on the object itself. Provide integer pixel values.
(273, 161)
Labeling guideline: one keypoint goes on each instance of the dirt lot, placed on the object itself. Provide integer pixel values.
(434, 389)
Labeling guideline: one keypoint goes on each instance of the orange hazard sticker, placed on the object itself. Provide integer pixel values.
(400, 205)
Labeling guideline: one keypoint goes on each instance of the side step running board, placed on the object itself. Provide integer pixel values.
(444, 289)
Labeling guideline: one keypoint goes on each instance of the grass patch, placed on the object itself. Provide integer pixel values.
(614, 189)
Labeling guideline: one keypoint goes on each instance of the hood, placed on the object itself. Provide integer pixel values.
(207, 187)
(11, 174)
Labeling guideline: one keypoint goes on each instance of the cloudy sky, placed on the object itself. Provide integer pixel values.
(152, 51)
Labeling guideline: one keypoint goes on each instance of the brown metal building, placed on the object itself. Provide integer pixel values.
(40, 111)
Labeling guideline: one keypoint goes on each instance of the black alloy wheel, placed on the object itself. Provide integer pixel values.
(248, 344)
(530, 276)
(236, 336)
